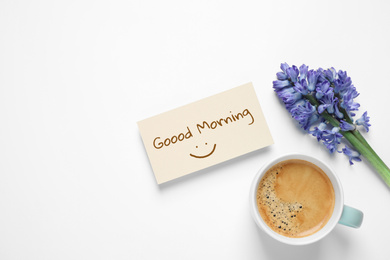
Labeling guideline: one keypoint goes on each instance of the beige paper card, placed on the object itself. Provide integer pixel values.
(205, 133)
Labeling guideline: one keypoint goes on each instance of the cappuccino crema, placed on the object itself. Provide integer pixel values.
(295, 198)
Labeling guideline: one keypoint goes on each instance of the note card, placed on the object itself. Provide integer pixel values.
(204, 133)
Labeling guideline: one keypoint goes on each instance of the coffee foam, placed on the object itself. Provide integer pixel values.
(295, 198)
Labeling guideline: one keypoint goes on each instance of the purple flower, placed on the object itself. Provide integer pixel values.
(292, 73)
(328, 102)
(312, 77)
(342, 75)
(305, 114)
(318, 131)
(308, 93)
(289, 96)
(363, 120)
(279, 84)
(300, 102)
(281, 76)
(321, 75)
(352, 154)
(321, 108)
(332, 139)
(322, 89)
(284, 67)
(343, 83)
(301, 87)
(331, 75)
(337, 111)
(348, 103)
(303, 72)
(344, 126)
(282, 91)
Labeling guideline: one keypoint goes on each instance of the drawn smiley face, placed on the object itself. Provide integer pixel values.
(204, 156)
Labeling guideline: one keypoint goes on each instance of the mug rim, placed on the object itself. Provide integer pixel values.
(337, 210)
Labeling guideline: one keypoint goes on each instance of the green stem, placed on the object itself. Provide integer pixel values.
(359, 136)
(372, 157)
(359, 143)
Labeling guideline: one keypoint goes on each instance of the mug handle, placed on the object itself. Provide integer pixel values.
(351, 217)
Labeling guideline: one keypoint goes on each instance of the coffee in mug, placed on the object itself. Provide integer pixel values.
(298, 199)
(295, 198)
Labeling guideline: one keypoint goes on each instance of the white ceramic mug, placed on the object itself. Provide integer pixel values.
(341, 213)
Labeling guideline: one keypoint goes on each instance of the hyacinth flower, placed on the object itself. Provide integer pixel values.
(322, 101)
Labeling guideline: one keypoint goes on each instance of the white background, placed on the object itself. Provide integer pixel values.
(76, 76)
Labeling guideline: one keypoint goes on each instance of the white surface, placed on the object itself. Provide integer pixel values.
(75, 76)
